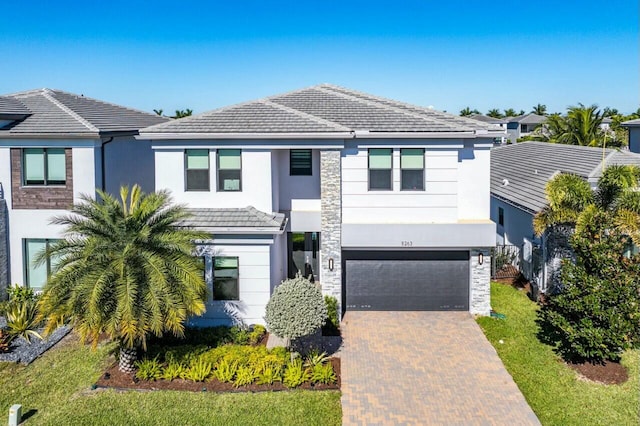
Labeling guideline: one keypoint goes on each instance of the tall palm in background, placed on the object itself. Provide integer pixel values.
(581, 126)
(495, 113)
(539, 109)
(572, 202)
(124, 269)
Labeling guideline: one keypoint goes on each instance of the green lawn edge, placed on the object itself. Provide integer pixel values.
(554, 391)
(56, 388)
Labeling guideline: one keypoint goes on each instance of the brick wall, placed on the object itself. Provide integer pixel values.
(40, 197)
(331, 224)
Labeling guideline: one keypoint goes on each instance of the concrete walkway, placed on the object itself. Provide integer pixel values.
(425, 368)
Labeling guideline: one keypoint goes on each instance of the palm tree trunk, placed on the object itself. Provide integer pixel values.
(127, 359)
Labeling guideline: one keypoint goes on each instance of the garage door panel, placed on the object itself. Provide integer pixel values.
(394, 284)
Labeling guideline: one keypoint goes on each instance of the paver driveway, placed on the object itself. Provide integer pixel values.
(433, 368)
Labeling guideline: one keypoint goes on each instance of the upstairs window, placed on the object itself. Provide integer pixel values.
(412, 169)
(43, 166)
(500, 216)
(300, 162)
(197, 170)
(229, 170)
(225, 278)
(36, 275)
(380, 169)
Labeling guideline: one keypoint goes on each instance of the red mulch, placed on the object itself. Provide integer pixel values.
(117, 379)
(609, 373)
(507, 272)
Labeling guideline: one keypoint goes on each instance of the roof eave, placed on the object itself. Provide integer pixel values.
(471, 134)
(239, 230)
(31, 135)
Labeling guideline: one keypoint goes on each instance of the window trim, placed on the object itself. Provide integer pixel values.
(23, 163)
(25, 263)
(213, 278)
(219, 181)
(305, 172)
(424, 164)
(369, 171)
(186, 168)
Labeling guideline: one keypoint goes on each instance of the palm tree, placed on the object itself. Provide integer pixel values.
(572, 202)
(158, 111)
(466, 112)
(510, 112)
(581, 126)
(495, 113)
(540, 109)
(181, 113)
(125, 269)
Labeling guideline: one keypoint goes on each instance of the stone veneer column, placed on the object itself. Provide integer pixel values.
(331, 224)
(480, 282)
(4, 247)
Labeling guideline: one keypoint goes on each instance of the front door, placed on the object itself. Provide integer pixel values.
(303, 252)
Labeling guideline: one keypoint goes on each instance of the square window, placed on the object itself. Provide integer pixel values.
(225, 278)
(380, 169)
(197, 169)
(43, 166)
(229, 170)
(412, 169)
(300, 162)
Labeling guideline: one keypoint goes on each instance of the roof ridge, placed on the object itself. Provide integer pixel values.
(27, 93)
(336, 126)
(47, 94)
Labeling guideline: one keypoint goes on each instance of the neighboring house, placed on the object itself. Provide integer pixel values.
(519, 175)
(384, 204)
(633, 126)
(523, 125)
(500, 122)
(55, 146)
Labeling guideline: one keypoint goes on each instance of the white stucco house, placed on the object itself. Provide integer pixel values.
(55, 146)
(523, 125)
(384, 204)
(519, 175)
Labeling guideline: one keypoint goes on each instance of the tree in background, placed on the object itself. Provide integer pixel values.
(468, 111)
(495, 113)
(539, 109)
(181, 113)
(582, 125)
(510, 112)
(125, 269)
(158, 111)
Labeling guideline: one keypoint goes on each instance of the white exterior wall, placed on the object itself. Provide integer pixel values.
(295, 187)
(254, 282)
(518, 224)
(256, 180)
(34, 223)
(457, 179)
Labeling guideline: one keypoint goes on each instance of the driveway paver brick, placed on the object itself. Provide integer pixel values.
(425, 368)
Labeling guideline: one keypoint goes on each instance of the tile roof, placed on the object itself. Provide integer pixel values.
(12, 107)
(321, 109)
(632, 123)
(520, 172)
(234, 220)
(487, 119)
(54, 112)
(529, 118)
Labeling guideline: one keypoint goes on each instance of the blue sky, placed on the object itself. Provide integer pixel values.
(203, 55)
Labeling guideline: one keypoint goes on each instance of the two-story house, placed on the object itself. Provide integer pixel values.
(385, 205)
(54, 147)
(523, 125)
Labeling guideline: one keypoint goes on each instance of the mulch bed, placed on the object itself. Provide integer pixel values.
(114, 378)
(609, 373)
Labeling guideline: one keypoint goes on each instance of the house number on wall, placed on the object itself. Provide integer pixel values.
(406, 243)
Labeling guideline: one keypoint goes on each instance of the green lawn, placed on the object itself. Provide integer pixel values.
(552, 389)
(57, 386)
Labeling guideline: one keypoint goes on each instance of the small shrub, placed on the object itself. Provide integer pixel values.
(199, 370)
(295, 374)
(239, 335)
(20, 294)
(315, 358)
(269, 373)
(225, 371)
(244, 376)
(256, 334)
(323, 373)
(4, 307)
(174, 370)
(295, 309)
(21, 320)
(183, 354)
(331, 326)
(149, 369)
